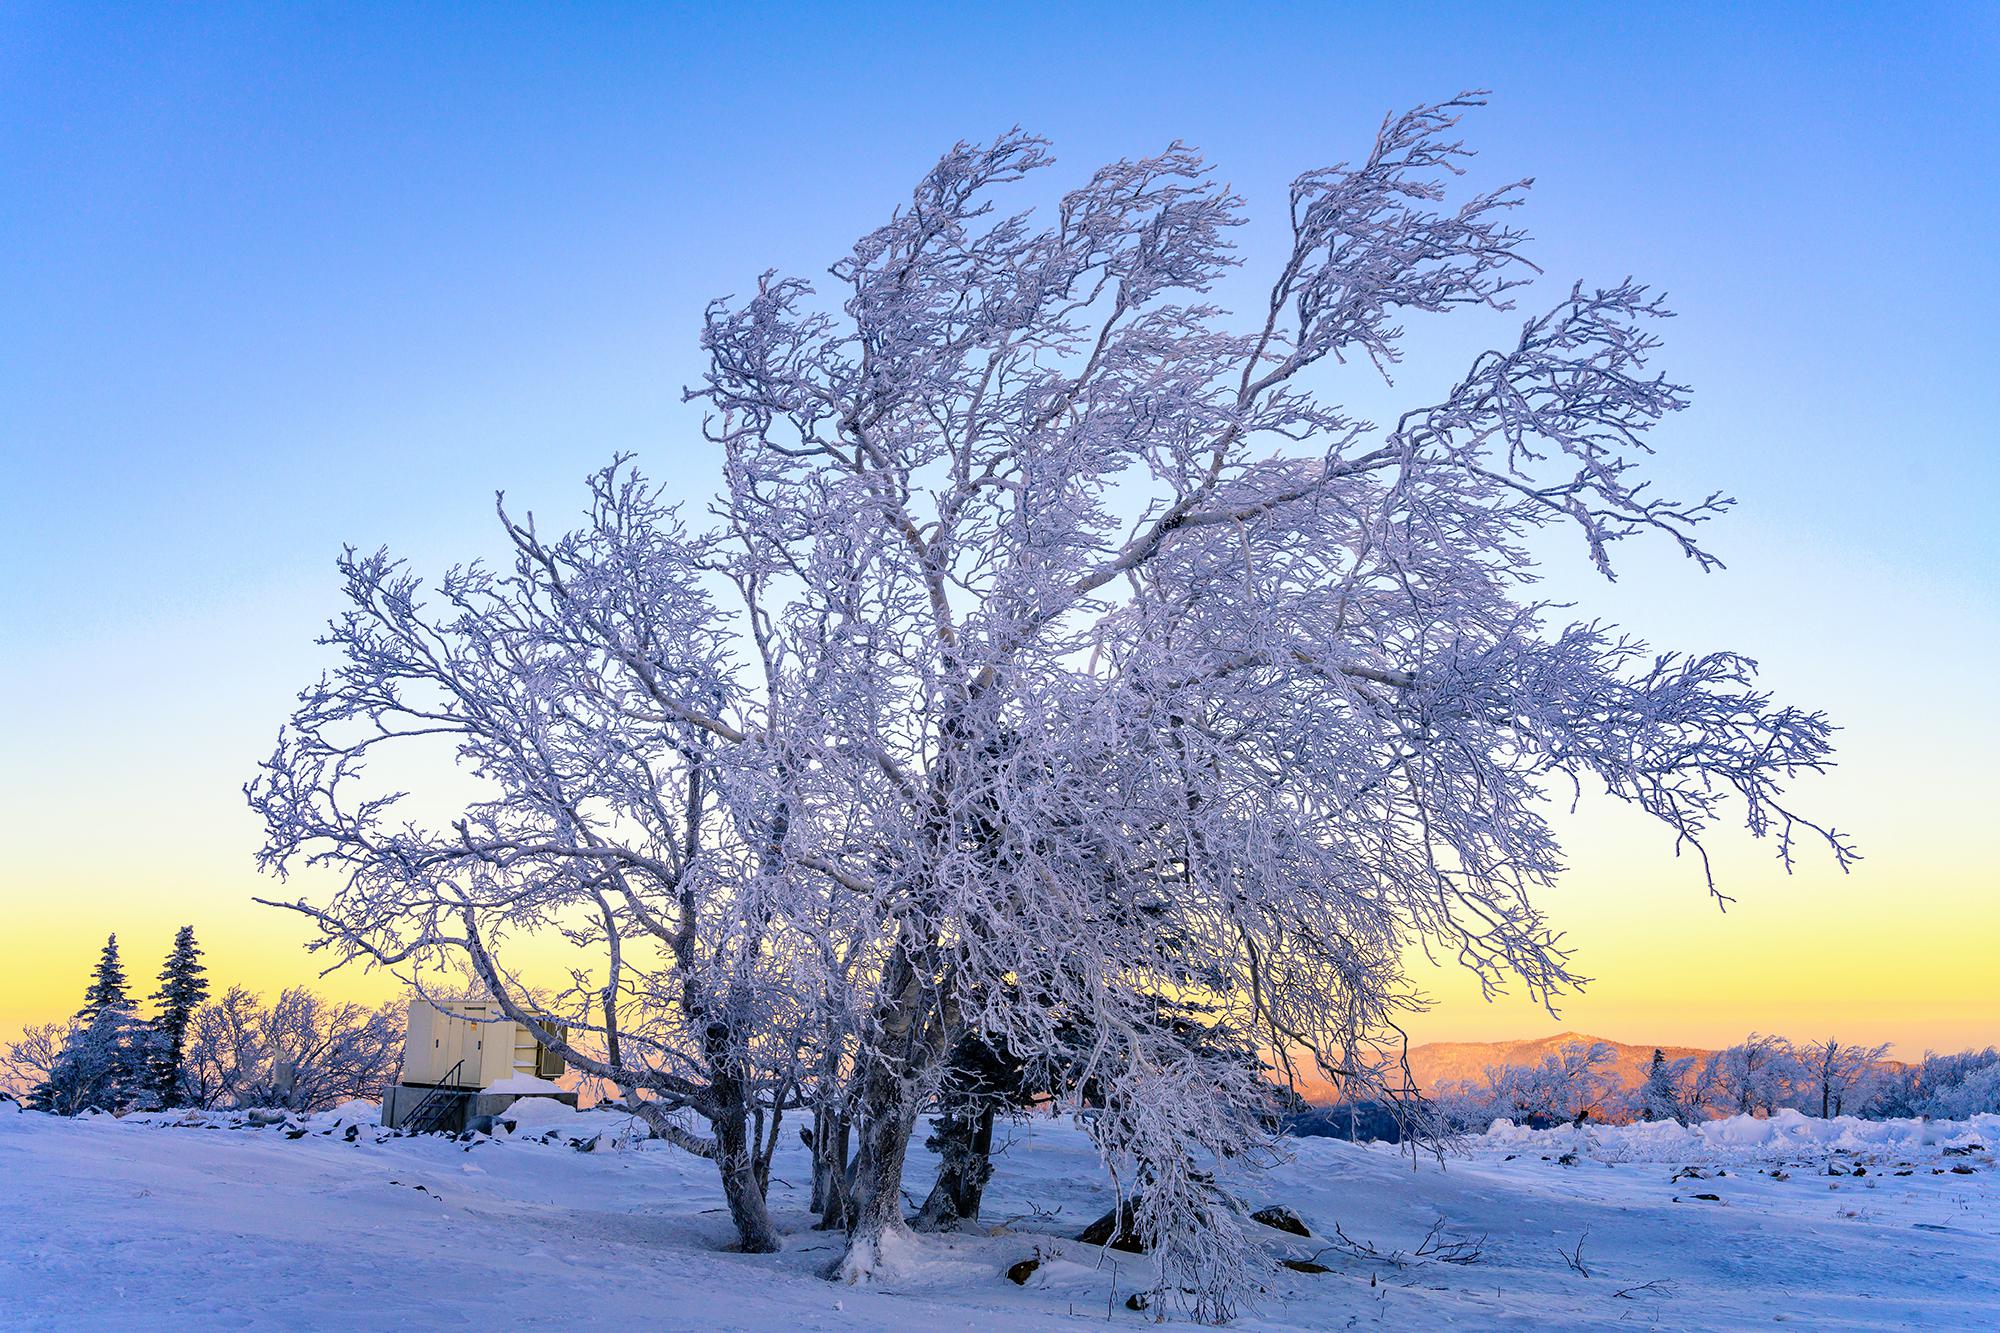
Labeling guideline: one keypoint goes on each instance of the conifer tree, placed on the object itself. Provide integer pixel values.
(105, 1062)
(1660, 1098)
(183, 987)
(107, 984)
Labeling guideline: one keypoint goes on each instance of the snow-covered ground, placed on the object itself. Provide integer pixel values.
(141, 1223)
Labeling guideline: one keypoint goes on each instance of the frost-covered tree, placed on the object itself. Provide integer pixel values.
(1950, 1086)
(92, 1071)
(107, 1053)
(1078, 649)
(107, 989)
(30, 1060)
(1663, 1095)
(1839, 1078)
(1570, 1083)
(1975, 1092)
(301, 1052)
(324, 1052)
(1757, 1075)
(618, 804)
(183, 987)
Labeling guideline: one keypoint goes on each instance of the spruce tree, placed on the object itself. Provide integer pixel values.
(1659, 1099)
(183, 986)
(106, 1061)
(107, 984)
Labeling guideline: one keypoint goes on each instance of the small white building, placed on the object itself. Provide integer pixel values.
(465, 1059)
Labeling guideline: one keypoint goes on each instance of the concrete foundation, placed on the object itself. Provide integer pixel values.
(400, 1101)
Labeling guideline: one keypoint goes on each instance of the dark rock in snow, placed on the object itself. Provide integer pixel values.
(1021, 1272)
(1304, 1266)
(1137, 1301)
(1280, 1218)
(1119, 1220)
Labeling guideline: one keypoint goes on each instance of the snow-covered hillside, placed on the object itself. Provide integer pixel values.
(329, 1223)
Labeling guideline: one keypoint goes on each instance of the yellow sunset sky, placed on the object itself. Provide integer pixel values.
(253, 308)
(1900, 949)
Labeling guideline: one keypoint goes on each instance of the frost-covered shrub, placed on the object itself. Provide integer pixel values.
(1574, 1082)
(103, 1058)
(1976, 1094)
(301, 1052)
(1949, 1086)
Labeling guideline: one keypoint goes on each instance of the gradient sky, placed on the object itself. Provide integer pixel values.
(272, 280)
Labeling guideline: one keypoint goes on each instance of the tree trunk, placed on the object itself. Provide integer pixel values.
(736, 1159)
(736, 1148)
(830, 1189)
(964, 1143)
(875, 1219)
(905, 1047)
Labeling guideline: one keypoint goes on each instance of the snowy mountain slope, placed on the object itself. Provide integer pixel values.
(135, 1223)
(1437, 1062)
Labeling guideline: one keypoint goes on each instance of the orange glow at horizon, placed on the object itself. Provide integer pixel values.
(1812, 954)
(1898, 950)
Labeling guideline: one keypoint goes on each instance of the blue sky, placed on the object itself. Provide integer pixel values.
(276, 279)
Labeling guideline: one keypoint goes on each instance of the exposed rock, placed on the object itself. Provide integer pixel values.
(1304, 1266)
(1120, 1221)
(1021, 1272)
(1280, 1218)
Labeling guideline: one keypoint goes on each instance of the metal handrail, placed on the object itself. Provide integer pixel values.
(434, 1101)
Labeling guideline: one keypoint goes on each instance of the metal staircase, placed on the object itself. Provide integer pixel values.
(438, 1105)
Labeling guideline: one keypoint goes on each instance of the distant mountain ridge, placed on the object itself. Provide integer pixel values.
(1436, 1062)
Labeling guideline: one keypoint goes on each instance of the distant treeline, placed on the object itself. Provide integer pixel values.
(1577, 1083)
(300, 1051)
